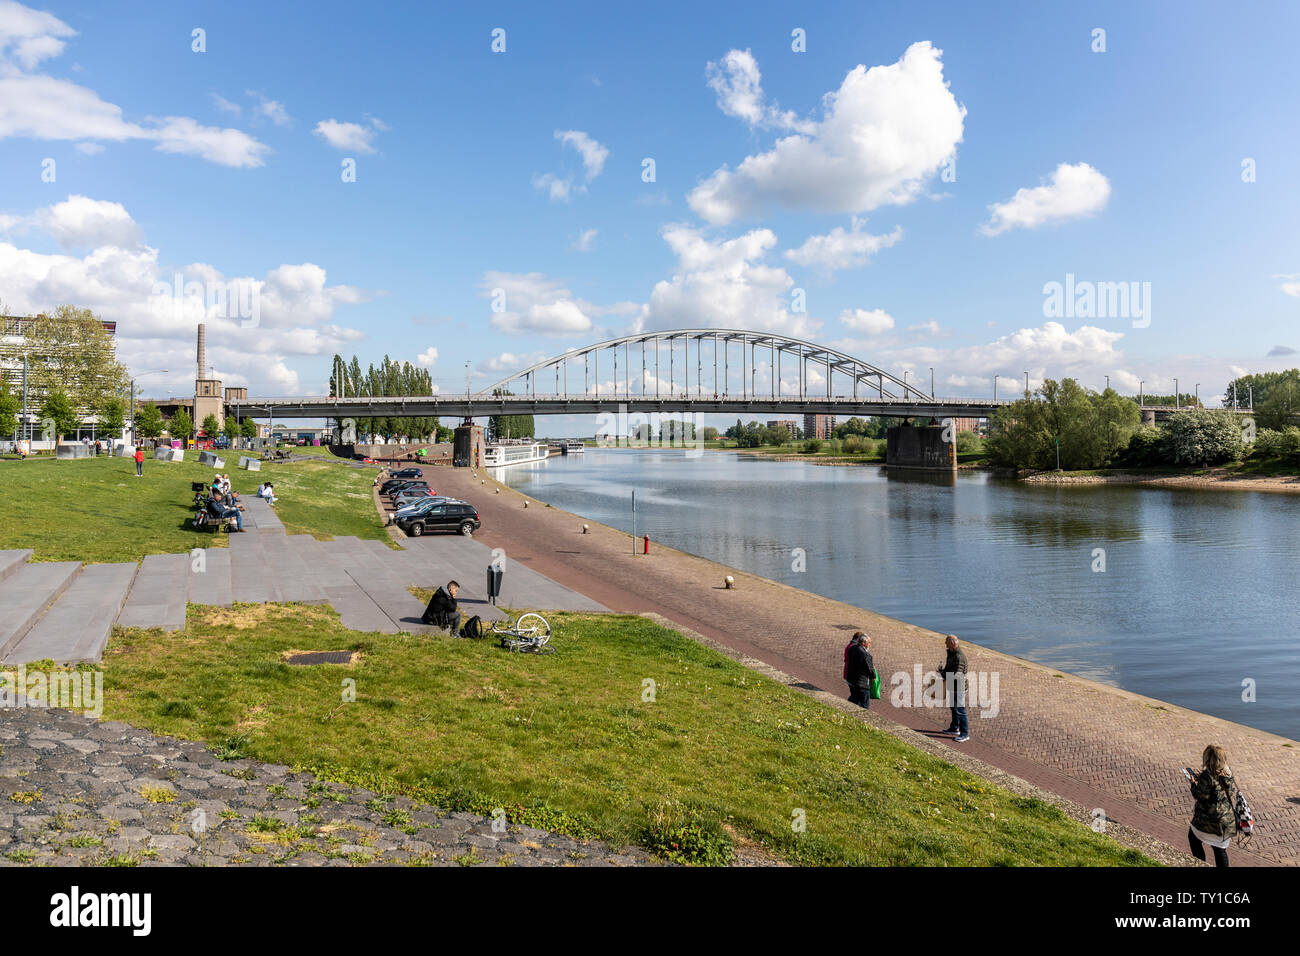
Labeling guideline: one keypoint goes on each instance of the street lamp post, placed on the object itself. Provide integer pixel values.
(1139, 393)
(932, 382)
(1175, 394)
(1197, 393)
(995, 386)
(1108, 383)
(1026, 386)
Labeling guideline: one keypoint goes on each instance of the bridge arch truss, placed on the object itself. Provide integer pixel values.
(715, 352)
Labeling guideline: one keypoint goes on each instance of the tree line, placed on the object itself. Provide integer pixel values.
(389, 380)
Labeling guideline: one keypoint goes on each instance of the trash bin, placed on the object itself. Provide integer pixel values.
(494, 575)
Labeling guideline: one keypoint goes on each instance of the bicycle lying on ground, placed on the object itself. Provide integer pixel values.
(531, 634)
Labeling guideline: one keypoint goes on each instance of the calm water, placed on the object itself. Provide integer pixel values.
(1199, 590)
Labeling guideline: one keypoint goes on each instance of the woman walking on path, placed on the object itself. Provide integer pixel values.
(1213, 821)
(859, 669)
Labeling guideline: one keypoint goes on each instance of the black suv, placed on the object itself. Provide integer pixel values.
(452, 516)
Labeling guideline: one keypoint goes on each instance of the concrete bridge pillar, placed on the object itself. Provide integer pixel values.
(921, 447)
(1148, 416)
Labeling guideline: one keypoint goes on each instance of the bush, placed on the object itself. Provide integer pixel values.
(686, 834)
(812, 446)
(1277, 444)
(968, 441)
(1143, 448)
(852, 445)
(1201, 438)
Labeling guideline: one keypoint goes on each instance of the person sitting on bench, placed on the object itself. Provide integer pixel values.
(442, 611)
(218, 508)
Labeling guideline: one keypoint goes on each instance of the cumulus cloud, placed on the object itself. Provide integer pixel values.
(157, 307)
(80, 222)
(839, 249)
(43, 107)
(737, 82)
(1073, 192)
(508, 362)
(533, 303)
(1281, 351)
(885, 131)
(349, 137)
(872, 322)
(428, 357)
(1291, 284)
(724, 284)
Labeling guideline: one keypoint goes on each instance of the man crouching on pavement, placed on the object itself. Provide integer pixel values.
(442, 611)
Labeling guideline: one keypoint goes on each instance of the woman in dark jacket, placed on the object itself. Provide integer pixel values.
(859, 669)
(1213, 820)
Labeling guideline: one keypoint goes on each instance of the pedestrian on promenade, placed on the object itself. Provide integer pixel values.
(139, 461)
(859, 670)
(953, 674)
(1213, 820)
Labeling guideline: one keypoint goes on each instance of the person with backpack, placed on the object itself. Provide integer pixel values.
(859, 670)
(442, 610)
(1214, 820)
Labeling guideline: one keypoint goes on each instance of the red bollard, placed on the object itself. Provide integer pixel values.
(647, 544)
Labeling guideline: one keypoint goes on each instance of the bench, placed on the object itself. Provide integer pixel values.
(204, 519)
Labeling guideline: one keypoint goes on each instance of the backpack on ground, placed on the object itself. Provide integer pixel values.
(473, 628)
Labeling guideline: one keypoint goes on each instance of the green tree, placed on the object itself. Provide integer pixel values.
(58, 409)
(112, 416)
(1201, 438)
(1089, 428)
(149, 421)
(210, 426)
(181, 425)
(231, 428)
(10, 405)
(248, 428)
(70, 352)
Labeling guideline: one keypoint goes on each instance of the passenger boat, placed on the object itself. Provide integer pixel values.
(502, 454)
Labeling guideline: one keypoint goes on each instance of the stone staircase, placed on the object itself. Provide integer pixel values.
(65, 611)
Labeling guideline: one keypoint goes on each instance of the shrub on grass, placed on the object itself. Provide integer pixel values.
(682, 833)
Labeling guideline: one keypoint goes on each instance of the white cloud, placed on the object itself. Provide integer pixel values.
(585, 240)
(508, 362)
(225, 106)
(1291, 285)
(724, 284)
(349, 137)
(43, 107)
(273, 110)
(593, 153)
(535, 304)
(89, 149)
(738, 83)
(29, 36)
(842, 250)
(83, 223)
(931, 326)
(427, 357)
(556, 188)
(871, 322)
(885, 131)
(1073, 193)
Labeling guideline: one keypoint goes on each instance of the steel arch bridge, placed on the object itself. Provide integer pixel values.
(718, 347)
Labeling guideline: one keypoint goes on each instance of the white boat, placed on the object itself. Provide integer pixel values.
(514, 453)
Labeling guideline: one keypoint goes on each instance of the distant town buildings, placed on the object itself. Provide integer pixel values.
(818, 426)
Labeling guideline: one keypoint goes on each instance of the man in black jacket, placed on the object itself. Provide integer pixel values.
(953, 674)
(442, 611)
(859, 669)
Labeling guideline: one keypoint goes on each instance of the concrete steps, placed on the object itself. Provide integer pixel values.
(11, 561)
(76, 626)
(159, 594)
(212, 585)
(25, 593)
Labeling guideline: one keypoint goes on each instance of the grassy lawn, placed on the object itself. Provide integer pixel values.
(570, 742)
(96, 510)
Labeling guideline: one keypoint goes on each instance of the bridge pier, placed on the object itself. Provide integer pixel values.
(921, 448)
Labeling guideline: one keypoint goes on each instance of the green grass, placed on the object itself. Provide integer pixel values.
(567, 742)
(96, 510)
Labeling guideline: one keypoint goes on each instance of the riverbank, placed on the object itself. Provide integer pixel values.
(1212, 479)
(1046, 729)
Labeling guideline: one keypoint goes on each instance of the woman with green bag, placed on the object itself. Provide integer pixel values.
(860, 671)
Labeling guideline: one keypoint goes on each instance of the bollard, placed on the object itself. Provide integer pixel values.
(525, 503)
(729, 581)
(584, 529)
(647, 544)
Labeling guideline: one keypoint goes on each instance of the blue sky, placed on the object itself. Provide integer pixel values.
(1115, 166)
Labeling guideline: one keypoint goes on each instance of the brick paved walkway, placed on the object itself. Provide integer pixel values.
(1097, 745)
(77, 792)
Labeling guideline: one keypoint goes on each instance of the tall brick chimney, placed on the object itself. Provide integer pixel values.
(202, 355)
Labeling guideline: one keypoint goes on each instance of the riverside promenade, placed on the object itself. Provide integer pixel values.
(1106, 749)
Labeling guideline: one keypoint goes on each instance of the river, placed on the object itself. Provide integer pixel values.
(1198, 592)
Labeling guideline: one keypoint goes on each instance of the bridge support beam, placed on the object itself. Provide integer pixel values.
(921, 448)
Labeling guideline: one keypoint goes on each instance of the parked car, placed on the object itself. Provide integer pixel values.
(406, 473)
(421, 505)
(411, 495)
(394, 485)
(442, 516)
